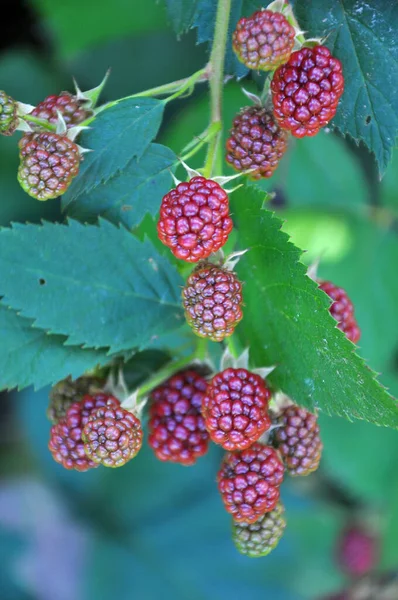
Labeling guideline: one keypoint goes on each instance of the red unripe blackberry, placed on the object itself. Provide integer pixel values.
(235, 408)
(66, 444)
(342, 310)
(357, 551)
(68, 391)
(112, 436)
(298, 440)
(249, 482)
(70, 107)
(263, 41)
(194, 219)
(8, 114)
(49, 162)
(256, 142)
(306, 90)
(260, 538)
(177, 431)
(212, 300)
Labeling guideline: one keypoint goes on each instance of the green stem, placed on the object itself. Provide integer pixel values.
(165, 373)
(217, 57)
(42, 123)
(201, 141)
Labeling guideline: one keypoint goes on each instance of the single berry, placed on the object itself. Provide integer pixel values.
(49, 162)
(235, 408)
(212, 300)
(66, 444)
(249, 482)
(263, 41)
(342, 310)
(298, 441)
(72, 109)
(112, 436)
(357, 551)
(68, 391)
(256, 142)
(259, 538)
(194, 219)
(306, 90)
(8, 114)
(177, 431)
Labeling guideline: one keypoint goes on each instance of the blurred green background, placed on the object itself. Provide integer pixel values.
(151, 530)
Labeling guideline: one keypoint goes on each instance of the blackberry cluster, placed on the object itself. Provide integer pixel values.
(342, 310)
(72, 109)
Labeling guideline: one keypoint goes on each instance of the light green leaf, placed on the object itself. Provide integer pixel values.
(130, 193)
(287, 323)
(99, 286)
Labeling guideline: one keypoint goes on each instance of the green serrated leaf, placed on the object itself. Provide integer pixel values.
(363, 36)
(30, 356)
(99, 286)
(130, 193)
(287, 324)
(117, 136)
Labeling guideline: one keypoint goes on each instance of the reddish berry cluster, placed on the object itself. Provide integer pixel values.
(177, 431)
(342, 310)
(72, 109)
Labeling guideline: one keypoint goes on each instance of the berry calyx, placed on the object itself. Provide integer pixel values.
(112, 436)
(68, 391)
(357, 551)
(194, 219)
(306, 90)
(212, 300)
(249, 481)
(49, 163)
(256, 142)
(8, 114)
(260, 538)
(263, 41)
(342, 310)
(66, 444)
(177, 431)
(72, 109)
(235, 408)
(298, 441)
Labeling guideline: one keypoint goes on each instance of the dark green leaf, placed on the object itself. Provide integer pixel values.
(30, 356)
(130, 193)
(287, 324)
(117, 136)
(363, 36)
(99, 286)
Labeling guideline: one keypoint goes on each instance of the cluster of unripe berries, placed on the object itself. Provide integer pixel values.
(49, 160)
(91, 428)
(306, 85)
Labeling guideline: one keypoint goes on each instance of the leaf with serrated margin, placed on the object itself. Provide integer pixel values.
(98, 285)
(117, 135)
(30, 356)
(129, 194)
(363, 36)
(287, 323)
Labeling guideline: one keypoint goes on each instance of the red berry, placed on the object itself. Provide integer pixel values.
(342, 310)
(256, 142)
(70, 107)
(249, 482)
(357, 551)
(212, 300)
(298, 440)
(112, 436)
(49, 162)
(8, 114)
(194, 219)
(177, 431)
(263, 41)
(235, 408)
(66, 444)
(306, 90)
